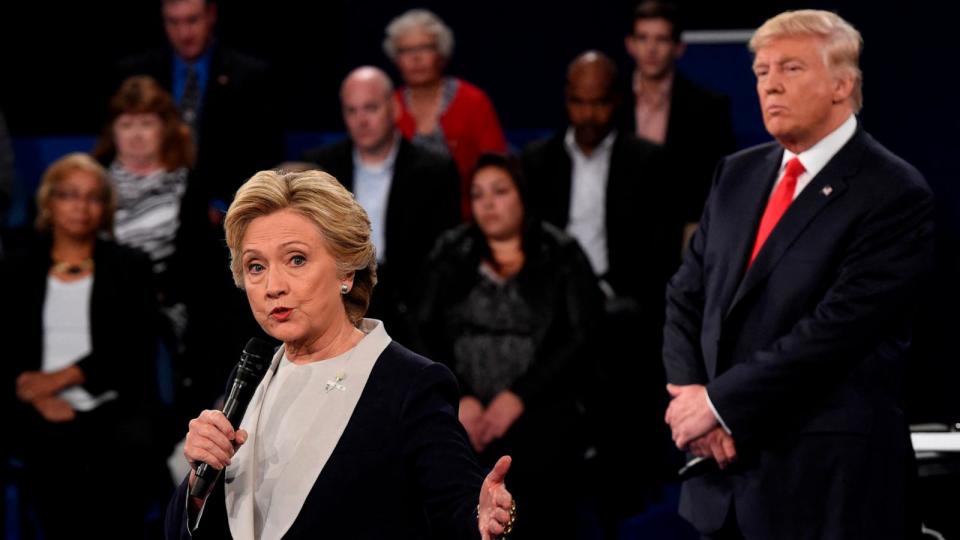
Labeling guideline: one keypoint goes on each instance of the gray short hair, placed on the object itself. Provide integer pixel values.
(419, 19)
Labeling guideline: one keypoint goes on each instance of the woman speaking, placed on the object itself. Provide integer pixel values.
(349, 435)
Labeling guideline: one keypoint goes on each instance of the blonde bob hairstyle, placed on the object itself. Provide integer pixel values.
(61, 169)
(841, 42)
(317, 196)
(419, 19)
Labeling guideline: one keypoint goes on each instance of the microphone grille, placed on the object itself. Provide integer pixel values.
(255, 360)
(259, 347)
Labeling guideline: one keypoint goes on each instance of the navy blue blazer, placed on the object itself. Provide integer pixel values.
(802, 352)
(402, 469)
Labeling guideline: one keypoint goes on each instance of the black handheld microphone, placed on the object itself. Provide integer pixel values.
(254, 362)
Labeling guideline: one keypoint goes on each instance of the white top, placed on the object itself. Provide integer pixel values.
(295, 395)
(815, 158)
(66, 335)
(588, 199)
(371, 187)
(294, 422)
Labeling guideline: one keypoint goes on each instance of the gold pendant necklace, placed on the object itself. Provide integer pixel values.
(63, 267)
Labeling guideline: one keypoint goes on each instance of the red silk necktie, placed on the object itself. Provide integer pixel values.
(777, 205)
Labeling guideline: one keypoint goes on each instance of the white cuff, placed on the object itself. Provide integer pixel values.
(715, 413)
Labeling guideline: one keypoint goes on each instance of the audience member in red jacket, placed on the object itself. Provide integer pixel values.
(446, 114)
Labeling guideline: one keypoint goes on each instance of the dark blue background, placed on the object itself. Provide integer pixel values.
(56, 58)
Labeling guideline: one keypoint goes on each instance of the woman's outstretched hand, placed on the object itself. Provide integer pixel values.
(497, 509)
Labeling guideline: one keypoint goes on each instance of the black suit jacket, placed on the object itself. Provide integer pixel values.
(699, 133)
(402, 469)
(643, 245)
(643, 238)
(802, 352)
(123, 316)
(123, 320)
(239, 128)
(423, 202)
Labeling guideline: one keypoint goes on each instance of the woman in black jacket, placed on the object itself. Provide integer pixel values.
(510, 304)
(80, 349)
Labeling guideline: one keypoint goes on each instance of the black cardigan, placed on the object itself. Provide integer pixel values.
(123, 319)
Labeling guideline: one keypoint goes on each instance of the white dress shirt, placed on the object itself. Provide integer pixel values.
(815, 158)
(588, 199)
(371, 187)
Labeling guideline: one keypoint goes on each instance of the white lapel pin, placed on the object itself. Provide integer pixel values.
(827, 190)
(336, 383)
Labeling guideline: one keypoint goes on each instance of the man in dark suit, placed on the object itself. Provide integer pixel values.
(693, 123)
(607, 189)
(411, 194)
(225, 96)
(789, 318)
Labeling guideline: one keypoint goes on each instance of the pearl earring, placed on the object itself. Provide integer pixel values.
(344, 289)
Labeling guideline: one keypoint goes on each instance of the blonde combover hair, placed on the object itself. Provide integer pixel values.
(317, 196)
(842, 42)
(64, 167)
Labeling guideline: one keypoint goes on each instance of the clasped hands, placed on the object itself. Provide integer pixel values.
(483, 426)
(40, 390)
(497, 509)
(695, 428)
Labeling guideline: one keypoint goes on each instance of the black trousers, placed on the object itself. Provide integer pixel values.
(730, 529)
(87, 478)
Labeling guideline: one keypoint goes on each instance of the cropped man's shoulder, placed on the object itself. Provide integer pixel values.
(543, 144)
(753, 153)
(879, 159)
(335, 151)
(237, 60)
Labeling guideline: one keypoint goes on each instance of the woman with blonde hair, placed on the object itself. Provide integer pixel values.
(349, 434)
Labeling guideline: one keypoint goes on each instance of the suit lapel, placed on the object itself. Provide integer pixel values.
(678, 110)
(300, 474)
(343, 162)
(395, 204)
(320, 437)
(829, 184)
(617, 181)
(563, 176)
(239, 486)
(742, 228)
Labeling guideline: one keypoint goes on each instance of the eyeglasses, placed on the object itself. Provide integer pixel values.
(76, 196)
(425, 48)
